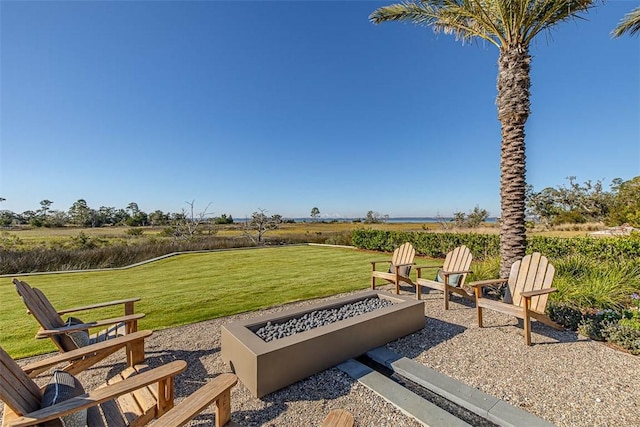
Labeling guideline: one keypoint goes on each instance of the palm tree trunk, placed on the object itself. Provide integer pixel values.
(513, 110)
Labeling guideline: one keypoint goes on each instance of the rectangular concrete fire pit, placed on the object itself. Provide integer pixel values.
(264, 367)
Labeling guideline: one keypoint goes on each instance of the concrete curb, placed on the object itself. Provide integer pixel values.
(474, 400)
(408, 402)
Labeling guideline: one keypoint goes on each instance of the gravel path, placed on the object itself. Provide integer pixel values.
(563, 378)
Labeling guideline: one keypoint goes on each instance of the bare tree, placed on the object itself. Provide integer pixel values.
(261, 223)
(444, 222)
(188, 223)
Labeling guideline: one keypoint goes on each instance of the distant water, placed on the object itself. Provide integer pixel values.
(408, 219)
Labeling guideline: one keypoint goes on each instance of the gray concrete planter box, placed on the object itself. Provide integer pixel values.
(264, 367)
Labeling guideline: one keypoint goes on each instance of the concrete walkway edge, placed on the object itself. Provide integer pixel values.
(405, 400)
(474, 400)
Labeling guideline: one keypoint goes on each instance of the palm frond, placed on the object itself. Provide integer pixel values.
(630, 23)
(447, 16)
(502, 22)
(542, 15)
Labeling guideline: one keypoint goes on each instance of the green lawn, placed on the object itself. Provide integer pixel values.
(191, 288)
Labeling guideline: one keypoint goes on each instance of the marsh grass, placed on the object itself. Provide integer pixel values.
(190, 288)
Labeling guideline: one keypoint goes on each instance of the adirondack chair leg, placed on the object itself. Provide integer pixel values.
(223, 408)
(418, 291)
(446, 292)
(128, 308)
(165, 395)
(397, 280)
(527, 321)
(135, 353)
(478, 292)
(131, 327)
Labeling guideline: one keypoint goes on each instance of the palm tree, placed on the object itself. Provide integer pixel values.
(630, 23)
(510, 25)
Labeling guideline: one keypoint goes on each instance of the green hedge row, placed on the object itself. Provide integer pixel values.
(437, 245)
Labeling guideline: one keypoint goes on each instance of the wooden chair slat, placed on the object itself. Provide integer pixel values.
(95, 418)
(35, 305)
(17, 390)
(539, 303)
(50, 312)
(112, 414)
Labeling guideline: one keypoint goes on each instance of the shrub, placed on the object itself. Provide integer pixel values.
(486, 245)
(434, 245)
(134, 232)
(624, 335)
(340, 239)
(594, 323)
(565, 314)
(569, 217)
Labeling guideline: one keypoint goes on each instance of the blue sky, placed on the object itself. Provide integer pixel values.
(285, 106)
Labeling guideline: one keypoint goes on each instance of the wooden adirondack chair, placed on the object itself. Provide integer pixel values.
(54, 327)
(399, 267)
(133, 398)
(451, 277)
(529, 286)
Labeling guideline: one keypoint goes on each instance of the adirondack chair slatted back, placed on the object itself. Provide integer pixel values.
(404, 255)
(17, 390)
(531, 273)
(458, 259)
(42, 310)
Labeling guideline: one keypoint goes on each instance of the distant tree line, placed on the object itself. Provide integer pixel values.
(573, 203)
(577, 203)
(80, 214)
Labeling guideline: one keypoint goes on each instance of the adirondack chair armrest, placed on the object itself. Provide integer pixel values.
(99, 305)
(373, 263)
(419, 269)
(44, 333)
(103, 394)
(531, 294)
(217, 390)
(482, 283)
(447, 273)
(422, 267)
(89, 350)
(405, 265)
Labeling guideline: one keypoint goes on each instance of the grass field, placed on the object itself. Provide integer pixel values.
(190, 288)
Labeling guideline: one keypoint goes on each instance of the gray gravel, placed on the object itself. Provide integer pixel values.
(563, 378)
(318, 318)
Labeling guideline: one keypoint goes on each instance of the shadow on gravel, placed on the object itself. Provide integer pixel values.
(435, 332)
(194, 377)
(554, 336)
(324, 386)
